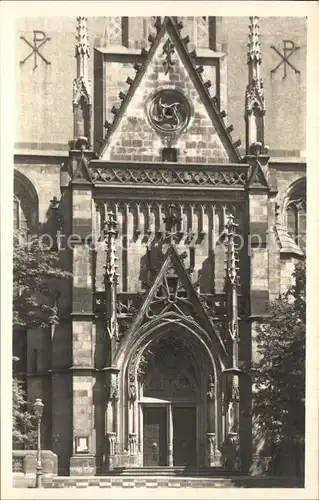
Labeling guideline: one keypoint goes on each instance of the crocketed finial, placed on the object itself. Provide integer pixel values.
(254, 53)
(110, 233)
(232, 260)
(82, 39)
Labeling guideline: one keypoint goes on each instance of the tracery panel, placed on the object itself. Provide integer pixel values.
(141, 240)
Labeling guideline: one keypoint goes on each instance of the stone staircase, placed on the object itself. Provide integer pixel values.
(158, 478)
(205, 472)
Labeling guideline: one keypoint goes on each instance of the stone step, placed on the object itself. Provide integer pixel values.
(172, 471)
(138, 482)
(28, 481)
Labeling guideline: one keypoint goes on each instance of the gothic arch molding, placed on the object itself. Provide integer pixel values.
(292, 189)
(201, 353)
(294, 212)
(156, 325)
(26, 193)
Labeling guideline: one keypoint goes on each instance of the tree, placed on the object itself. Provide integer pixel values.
(36, 275)
(279, 375)
(23, 431)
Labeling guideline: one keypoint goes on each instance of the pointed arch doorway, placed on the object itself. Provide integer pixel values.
(169, 415)
(168, 401)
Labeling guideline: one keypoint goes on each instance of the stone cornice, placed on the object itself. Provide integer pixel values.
(168, 174)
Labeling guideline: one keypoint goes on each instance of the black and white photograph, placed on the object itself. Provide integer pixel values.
(157, 247)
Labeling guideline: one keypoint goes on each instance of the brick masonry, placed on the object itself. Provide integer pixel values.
(135, 140)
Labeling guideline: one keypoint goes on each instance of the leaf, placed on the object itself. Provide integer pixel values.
(279, 375)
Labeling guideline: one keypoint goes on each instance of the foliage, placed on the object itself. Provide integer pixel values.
(23, 431)
(279, 375)
(36, 273)
(36, 277)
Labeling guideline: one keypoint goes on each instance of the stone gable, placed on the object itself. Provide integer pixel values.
(134, 138)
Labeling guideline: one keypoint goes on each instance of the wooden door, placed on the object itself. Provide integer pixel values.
(184, 432)
(154, 436)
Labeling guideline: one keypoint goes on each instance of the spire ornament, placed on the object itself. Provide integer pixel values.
(111, 258)
(232, 284)
(82, 48)
(232, 260)
(82, 93)
(254, 53)
(254, 96)
(231, 374)
(111, 277)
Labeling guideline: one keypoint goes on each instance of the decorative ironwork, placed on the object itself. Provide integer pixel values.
(165, 176)
(168, 50)
(168, 111)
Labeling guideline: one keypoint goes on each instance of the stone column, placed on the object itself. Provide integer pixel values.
(132, 413)
(213, 457)
(83, 460)
(132, 448)
(170, 435)
(111, 415)
(111, 450)
(232, 453)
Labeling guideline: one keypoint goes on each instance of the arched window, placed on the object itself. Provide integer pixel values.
(25, 204)
(296, 214)
(16, 213)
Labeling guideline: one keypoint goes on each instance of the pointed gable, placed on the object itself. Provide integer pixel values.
(173, 291)
(81, 172)
(168, 65)
(257, 178)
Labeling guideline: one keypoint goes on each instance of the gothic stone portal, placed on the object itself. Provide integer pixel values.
(169, 414)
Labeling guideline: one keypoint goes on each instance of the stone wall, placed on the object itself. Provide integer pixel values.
(44, 95)
(75, 401)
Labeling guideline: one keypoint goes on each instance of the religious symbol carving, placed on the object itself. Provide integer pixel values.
(39, 37)
(288, 49)
(168, 111)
